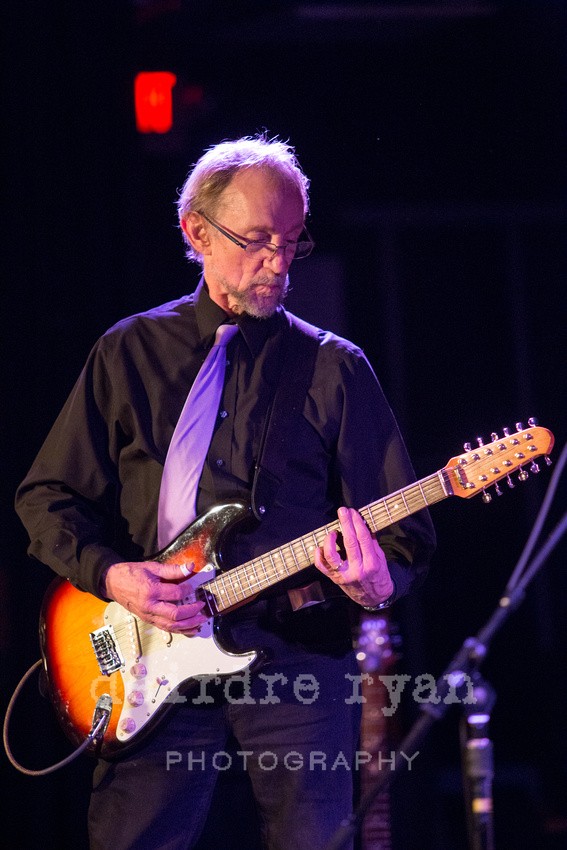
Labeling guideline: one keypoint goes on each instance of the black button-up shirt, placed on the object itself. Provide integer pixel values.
(90, 498)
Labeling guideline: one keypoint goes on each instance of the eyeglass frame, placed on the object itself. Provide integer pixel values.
(269, 245)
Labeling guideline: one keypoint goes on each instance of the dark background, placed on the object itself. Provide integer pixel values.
(434, 136)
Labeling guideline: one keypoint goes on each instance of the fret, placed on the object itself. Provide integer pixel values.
(243, 570)
(223, 592)
(369, 516)
(415, 500)
(315, 543)
(231, 578)
(298, 558)
(295, 561)
(270, 555)
(385, 503)
(326, 529)
(380, 522)
(265, 582)
(283, 560)
(283, 570)
(253, 569)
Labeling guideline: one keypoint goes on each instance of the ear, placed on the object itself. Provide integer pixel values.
(195, 230)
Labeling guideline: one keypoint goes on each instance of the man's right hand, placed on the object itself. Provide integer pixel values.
(160, 594)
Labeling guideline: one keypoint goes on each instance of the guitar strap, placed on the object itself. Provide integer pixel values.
(298, 356)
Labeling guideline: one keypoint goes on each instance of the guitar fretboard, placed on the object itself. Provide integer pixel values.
(242, 583)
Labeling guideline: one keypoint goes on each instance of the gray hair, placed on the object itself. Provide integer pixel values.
(213, 172)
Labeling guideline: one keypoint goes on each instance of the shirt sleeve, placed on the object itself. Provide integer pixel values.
(67, 500)
(372, 463)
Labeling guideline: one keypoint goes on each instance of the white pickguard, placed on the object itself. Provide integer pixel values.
(156, 663)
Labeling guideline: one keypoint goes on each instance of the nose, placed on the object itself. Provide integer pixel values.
(279, 259)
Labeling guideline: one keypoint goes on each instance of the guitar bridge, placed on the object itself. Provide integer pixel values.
(106, 650)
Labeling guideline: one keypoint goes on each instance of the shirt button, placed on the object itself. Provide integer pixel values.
(223, 414)
(220, 461)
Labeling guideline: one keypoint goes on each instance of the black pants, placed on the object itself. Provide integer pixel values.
(296, 722)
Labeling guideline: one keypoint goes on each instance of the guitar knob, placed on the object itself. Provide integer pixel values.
(135, 698)
(127, 724)
(138, 671)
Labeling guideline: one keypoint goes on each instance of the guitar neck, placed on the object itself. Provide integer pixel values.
(246, 581)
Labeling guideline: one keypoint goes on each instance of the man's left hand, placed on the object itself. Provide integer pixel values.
(363, 574)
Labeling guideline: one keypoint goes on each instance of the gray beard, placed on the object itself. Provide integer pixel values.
(259, 306)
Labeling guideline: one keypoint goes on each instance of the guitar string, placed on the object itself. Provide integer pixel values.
(390, 505)
(149, 635)
(399, 507)
(413, 498)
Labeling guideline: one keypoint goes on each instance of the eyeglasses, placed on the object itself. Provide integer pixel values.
(291, 250)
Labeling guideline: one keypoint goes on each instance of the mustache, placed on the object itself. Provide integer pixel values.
(272, 281)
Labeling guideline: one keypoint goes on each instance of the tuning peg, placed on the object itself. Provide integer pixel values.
(486, 497)
(511, 484)
(548, 460)
(497, 489)
(480, 441)
(467, 447)
(494, 436)
(534, 467)
(519, 426)
(506, 431)
(523, 475)
(532, 422)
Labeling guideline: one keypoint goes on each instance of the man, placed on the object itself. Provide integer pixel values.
(93, 505)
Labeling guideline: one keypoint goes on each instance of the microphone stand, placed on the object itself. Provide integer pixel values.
(477, 765)
(455, 686)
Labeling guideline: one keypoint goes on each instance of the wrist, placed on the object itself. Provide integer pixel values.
(384, 604)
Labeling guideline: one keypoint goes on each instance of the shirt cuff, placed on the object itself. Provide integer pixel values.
(381, 605)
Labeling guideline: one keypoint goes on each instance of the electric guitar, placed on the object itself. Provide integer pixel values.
(96, 652)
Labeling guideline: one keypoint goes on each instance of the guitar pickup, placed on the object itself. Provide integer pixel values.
(106, 650)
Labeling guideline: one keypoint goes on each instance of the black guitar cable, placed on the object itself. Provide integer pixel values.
(101, 716)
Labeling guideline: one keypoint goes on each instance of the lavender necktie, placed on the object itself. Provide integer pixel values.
(190, 443)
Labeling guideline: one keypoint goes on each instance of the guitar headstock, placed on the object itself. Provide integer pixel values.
(479, 468)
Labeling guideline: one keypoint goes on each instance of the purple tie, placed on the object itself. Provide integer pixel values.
(190, 443)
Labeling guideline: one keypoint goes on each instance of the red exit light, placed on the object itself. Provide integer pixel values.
(153, 101)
